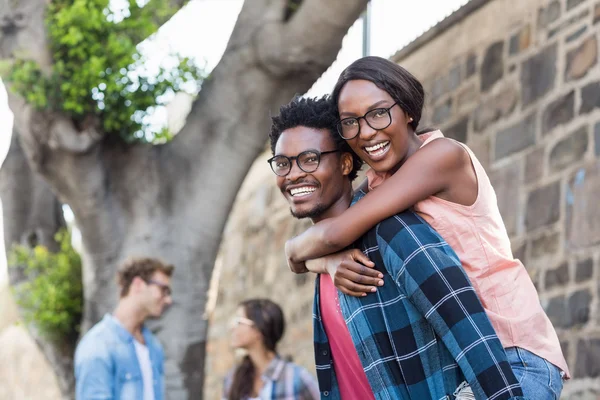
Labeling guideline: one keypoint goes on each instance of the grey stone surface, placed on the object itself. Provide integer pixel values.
(538, 75)
(454, 77)
(442, 112)
(548, 14)
(520, 41)
(546, 245)
(581, 59)
(492, 109)
(584, 270)
(492, 67)
(588, 354)
(583, 212)
(516, 137)
(590, 97)
(558, 276)
(597, 139)
(573, 3)
(471, 65)
(543, 206)
(534, 165)
(575, 35)
(579, 306)
(569, 150)
(505, 182)
(458, 130)
(560, 111)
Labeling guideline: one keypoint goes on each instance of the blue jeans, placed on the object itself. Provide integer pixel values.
(539, 379)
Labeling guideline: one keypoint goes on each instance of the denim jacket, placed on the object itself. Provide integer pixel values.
(106, 364)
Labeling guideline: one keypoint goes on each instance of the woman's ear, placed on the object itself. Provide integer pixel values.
(347, 163)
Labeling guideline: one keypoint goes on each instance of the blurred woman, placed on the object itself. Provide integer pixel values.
(262, 375)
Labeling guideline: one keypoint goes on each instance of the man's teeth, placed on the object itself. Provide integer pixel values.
(302, 191)
(379, 146)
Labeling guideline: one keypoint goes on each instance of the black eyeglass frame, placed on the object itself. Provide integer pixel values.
(387, 110)
(164, 289)
(291, 159)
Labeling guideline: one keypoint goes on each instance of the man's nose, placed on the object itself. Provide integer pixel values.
(295, 172)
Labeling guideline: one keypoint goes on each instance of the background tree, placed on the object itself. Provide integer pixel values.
(129, 197)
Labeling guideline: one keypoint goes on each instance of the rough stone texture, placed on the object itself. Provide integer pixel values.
(439, 87)
(538, 75)
(492, 109)
(505, 182)
(454, 77)
(548, 14)
(492, 67)
(569, 150)
(520, 41)
(557, 277)
(467, 98)
(515, 138)
(481, 147)
(534, 165)
(570, 312)
(584, 270)
(590, 97)
(471, 65)
(588, 354)
(574, 20)
(458, 130)
(574, 3)
(543, 206)
(442, 112)
(560, 111)
(597, 139)
(581, 59)
(596, 13)
(583, 213)
(575, 35)
(546, 245)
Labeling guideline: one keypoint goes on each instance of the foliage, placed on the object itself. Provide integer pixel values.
(98, 69)
(51, 296)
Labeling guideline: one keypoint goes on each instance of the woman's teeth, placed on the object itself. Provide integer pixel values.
(377, 149)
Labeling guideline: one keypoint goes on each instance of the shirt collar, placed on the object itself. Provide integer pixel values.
(123, 333)
(274, 369)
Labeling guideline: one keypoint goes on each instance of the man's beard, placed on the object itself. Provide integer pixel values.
(313, 213)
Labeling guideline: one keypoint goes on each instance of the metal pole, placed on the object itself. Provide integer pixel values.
(366, 20)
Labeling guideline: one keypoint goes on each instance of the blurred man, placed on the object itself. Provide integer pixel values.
(119, 358)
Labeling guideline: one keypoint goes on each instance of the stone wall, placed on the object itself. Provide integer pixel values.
(519, 82)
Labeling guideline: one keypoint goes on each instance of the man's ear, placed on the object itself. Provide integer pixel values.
(347, 163)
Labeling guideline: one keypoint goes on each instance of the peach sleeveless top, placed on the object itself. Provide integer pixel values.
(479, 238)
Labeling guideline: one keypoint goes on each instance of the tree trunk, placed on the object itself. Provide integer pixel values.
(32, 215)
(172, 201)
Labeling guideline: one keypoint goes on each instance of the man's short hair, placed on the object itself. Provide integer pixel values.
(142, 267)
(316, 113)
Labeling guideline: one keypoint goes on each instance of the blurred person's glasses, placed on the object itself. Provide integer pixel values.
(308, 161)
(377, 118)
(236, 321)
(165, 289)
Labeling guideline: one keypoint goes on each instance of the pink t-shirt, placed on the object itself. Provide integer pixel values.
(349, 372)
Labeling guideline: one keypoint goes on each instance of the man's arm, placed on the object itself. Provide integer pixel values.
(93, 377)
(429, 273)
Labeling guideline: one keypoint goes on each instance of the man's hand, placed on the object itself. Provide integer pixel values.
(351, 271)
(295, 267)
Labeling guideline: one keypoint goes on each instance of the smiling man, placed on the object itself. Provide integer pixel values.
(424, 332)
(119, 358)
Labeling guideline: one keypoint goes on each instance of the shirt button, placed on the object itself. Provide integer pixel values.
(324, 352)
(325, 393)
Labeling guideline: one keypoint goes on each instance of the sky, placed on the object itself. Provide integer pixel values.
(201, 30)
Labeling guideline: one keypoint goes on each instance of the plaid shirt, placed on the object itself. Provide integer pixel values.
(424, 331)
(283, 380)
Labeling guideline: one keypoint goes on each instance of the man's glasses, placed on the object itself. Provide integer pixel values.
(378, 118)
(165, 289)
(308, 161)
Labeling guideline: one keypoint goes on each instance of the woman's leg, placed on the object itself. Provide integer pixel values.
(539, 379)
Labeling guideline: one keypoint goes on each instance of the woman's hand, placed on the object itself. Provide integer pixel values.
(351, 271)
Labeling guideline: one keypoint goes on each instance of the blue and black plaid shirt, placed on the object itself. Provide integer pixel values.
(424, 331)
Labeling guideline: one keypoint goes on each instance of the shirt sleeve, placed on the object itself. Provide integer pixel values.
(430, 274)
(310, 388)
(94, 379)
